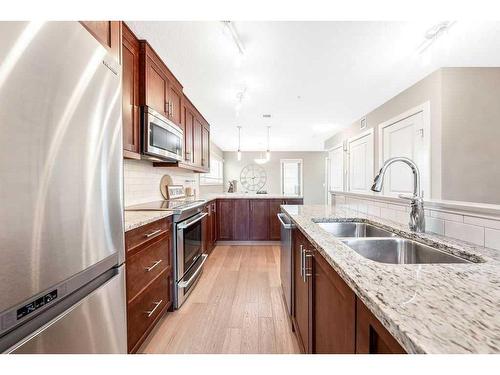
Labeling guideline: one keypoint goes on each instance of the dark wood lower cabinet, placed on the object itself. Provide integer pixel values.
(250, 219)
(241, 219)
(301, 306)
(149, 278)
(225, 219)
(334, 312)
(327, 316)
(371, 335)
(259, 219)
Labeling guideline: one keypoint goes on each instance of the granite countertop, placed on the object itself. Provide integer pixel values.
(136, 219)
(212, 196)
(428, 308)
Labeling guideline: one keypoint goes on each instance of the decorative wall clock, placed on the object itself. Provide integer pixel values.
(253, 177)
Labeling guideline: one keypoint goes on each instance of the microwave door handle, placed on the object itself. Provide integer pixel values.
(192, 221)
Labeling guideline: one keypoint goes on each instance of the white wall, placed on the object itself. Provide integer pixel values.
(313, 171)
(465, 131)
(142, 181)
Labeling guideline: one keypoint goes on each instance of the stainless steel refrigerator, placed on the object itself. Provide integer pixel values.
(62, 287)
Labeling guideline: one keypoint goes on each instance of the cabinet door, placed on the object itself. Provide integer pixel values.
(259, 219)
(225, 219)
(334, 311)
(130, 94)
(360, 163)
(371, 336)
(175, 102)
(205, 230)
(241, 219)
(156, 87)
(108, 33)
(301, 312)
(214, 223)
(197, 139)
(188, 134)
(205, 147)
(274, 223)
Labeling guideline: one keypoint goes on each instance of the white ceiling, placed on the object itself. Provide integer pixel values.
(314, 78)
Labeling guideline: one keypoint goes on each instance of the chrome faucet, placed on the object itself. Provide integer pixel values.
(417, 220)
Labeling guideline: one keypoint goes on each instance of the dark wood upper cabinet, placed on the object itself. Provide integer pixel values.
(302, 286)
(241, 219)
(160, 89)
(108, 33)
(130, 95)
(334, 311)
(188, 126)
(371, 335)
(225, 222)
(259, 219)
(156, 88)
(197, 139)
(205, 146)
(175, 102)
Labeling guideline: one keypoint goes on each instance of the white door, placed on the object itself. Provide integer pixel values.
(403, 138)
(360, 149)
(336, 157)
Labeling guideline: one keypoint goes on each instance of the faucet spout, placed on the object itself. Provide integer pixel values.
(417, 222)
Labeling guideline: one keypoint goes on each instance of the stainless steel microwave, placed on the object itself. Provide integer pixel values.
(162, 139)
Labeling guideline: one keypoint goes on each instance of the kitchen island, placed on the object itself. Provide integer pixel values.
(427, 308)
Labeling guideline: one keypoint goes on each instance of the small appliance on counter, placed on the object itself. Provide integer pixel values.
(233, 186)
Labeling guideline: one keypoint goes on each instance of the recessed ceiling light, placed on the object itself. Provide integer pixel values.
(266, 116)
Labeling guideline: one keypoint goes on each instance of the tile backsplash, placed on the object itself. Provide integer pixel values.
(466, 226)
(142, 181)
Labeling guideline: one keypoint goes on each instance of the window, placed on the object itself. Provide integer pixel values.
(215, 176)
(291, 177)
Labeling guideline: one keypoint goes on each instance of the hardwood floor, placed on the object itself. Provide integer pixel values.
(237, 307)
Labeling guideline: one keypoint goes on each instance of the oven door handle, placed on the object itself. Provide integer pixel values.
(192, 221)
(187, 283)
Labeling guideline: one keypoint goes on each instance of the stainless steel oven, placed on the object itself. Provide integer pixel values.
(189, 257)
(162, 139)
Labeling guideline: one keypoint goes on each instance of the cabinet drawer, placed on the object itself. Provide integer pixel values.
(146, 308)
(144, 234)
(145, 265)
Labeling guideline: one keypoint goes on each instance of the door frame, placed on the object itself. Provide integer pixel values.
(425, 108)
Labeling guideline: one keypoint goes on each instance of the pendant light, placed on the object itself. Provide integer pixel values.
(268, 151)
(264, 160)
(239, 143)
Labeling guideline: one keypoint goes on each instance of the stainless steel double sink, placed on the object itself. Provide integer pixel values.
(381, 245)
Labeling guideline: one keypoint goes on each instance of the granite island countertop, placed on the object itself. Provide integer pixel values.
(428, 308)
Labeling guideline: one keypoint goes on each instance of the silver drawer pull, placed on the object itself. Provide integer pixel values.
(151, 312)
(153, 233)
(149, 269)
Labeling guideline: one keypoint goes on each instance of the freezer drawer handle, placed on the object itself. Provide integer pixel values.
(151, 312)
(153, 233)
(149, 269)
